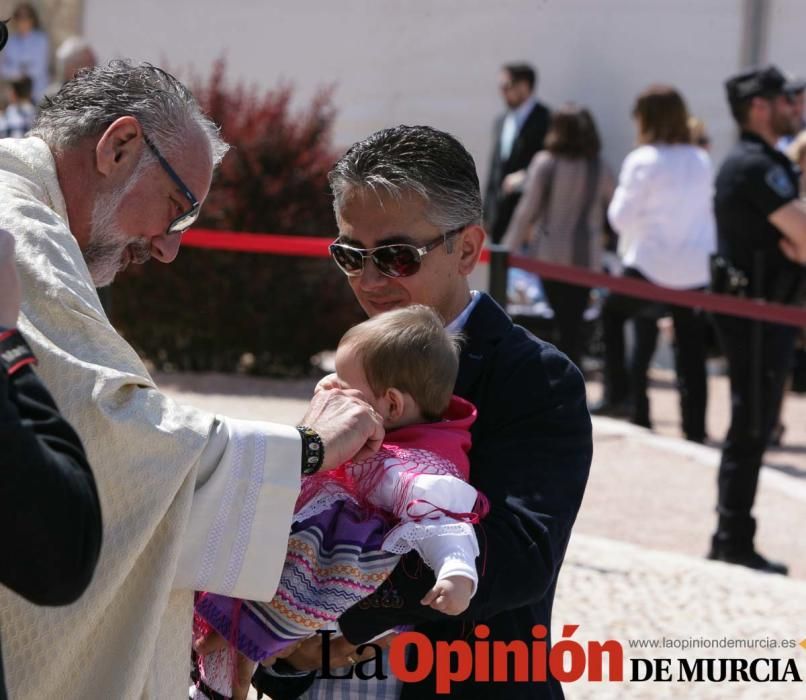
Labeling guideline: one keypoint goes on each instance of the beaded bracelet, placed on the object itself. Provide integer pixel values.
(313, 450)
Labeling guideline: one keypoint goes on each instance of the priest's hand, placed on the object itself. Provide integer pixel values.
(9, 282)
(330, 381)
(348, 425)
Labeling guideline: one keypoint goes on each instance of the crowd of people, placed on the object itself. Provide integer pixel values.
(678, 226)
(450, 447)
(25, 71)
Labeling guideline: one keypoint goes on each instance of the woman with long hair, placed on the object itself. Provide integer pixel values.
(561, 215)
(662, 211)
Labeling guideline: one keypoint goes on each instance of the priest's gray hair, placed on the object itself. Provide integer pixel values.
(413, 159)
(96, 97)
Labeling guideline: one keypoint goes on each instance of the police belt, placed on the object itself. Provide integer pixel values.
(786, 286)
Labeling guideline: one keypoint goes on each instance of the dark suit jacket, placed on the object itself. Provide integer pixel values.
(531, 453)
(498, 210)
(50, 515)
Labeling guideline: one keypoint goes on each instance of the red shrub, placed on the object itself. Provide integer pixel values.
(209, 309)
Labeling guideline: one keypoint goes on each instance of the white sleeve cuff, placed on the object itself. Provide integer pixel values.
(451, 555)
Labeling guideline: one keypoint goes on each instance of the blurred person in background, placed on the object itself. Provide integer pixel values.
(28, 50)
(797, 154)
(560, 217)
(796, 151)
(20, 114)
(796, 89)
(517, 135)
(663, 214)
(73, 54)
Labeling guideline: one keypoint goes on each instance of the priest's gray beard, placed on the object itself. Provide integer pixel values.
(109, 250)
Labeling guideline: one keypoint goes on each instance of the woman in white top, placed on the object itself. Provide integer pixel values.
(662, 211)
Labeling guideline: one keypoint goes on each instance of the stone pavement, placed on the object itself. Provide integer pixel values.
(629, 593)
(635, 568)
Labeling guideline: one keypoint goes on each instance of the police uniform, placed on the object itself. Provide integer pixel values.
(754, 181)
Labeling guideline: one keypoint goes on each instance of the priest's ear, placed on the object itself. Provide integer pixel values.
(119, 149)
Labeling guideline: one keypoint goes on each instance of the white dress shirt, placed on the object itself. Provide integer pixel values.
(512, 125)
(662, 211)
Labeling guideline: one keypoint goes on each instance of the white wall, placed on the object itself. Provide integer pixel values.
(436, 62)
(785, 36)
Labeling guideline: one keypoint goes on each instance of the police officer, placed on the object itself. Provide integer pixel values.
(761, 229)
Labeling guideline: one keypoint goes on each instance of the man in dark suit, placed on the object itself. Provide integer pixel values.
(518, 134)
(408, 204)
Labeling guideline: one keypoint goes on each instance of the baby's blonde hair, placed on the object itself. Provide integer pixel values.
(409, 349)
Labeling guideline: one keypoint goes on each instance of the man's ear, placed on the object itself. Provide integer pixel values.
(396, 403)
(470, 246)
(119, 148)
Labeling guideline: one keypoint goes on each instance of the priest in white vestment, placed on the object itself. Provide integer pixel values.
(189, 500)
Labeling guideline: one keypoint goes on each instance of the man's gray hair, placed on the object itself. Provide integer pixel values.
(88, 104)
(413, 159)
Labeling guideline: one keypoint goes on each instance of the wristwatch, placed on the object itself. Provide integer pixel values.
(14, 351)
(313, 450)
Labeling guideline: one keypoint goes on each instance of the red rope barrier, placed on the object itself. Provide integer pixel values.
(307, 246)
(273, 243)
(718, 303)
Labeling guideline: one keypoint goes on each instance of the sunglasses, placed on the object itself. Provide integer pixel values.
(393, 260)
(184, 221)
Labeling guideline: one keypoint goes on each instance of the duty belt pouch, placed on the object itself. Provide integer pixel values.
(726, 278)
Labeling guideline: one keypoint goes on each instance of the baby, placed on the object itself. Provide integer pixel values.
(412, 494)
(405, 364)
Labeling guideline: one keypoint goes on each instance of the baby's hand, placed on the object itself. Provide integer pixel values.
(450, 595)
(330, 381)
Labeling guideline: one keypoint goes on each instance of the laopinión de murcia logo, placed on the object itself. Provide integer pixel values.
(482, 660)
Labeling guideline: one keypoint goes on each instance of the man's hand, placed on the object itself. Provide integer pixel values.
(792, 251)
(450, 595)
(9, 282)
(790, 220)
(348, 425)
(513, 182)
(308, 655)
